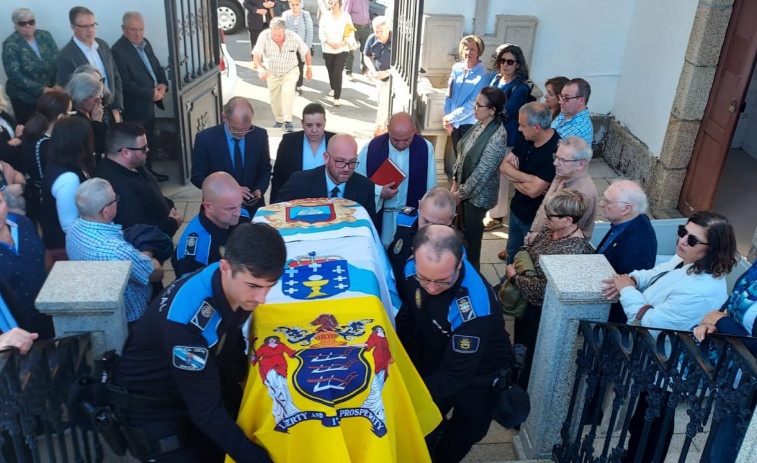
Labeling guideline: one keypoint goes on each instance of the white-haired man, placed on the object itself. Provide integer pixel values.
(630, 244)
(94, 236)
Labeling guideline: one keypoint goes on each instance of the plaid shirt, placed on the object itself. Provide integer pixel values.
(578, 125)
(277, 60)
(104, 241)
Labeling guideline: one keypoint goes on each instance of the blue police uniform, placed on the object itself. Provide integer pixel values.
(200, 244)
(401, 248)
(457, 339)
(188, 349)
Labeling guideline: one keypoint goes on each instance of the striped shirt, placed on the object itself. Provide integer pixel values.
(279, 60)
(104, 241)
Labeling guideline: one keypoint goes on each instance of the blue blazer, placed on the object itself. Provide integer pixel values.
(211, 154)
(634, 249)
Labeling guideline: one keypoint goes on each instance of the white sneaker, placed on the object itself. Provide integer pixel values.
(331, 93)
(337, 102)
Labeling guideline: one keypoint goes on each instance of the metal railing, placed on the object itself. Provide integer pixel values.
(715, 381)
(34, 420)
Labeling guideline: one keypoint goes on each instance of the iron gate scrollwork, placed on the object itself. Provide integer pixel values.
(194, 55)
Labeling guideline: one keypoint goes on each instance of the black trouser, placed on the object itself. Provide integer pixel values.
(457, 134)
(471, 417)
(473, 221)
(300, 66)
(636, 428)
(22, 111)
(526, 330)
(362, 32)
(334, 65)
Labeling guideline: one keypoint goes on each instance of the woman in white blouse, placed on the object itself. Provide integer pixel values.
(331, 32)
(300, 22)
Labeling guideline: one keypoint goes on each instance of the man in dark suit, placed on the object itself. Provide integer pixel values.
(85, 48)
(295, 154)
(337, 178)
(236, 147)
(259, 13)
(631, 243)
(144, 82)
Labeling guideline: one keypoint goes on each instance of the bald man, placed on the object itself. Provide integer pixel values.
(221, 210)
(631, 243)
(452, 328)
(337, 178)
(413, 155)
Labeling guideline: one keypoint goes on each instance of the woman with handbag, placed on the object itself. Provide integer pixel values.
(336, 32)
(562, 235)
(676, 295)
(476, 171)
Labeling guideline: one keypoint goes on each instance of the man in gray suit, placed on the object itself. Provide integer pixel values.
(85, 48)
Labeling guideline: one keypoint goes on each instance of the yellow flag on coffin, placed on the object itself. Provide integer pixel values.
(329, 382)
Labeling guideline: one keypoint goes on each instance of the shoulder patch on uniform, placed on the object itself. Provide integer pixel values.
(397, 246)
(466, 309)
(190, 358)
(465, 344)
(409, 210)
(190, 249)
(203, 315)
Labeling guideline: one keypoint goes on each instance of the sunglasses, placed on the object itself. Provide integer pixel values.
(691, 240)
(30, 22)
(509, 62)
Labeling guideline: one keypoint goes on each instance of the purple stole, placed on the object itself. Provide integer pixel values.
(378, 151)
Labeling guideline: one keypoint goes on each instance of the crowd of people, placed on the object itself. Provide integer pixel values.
(75, 164)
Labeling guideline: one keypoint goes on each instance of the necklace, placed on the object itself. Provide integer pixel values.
(564, 237)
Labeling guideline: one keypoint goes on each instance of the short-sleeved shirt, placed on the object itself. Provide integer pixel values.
(534, 161)
(280, 60)
(104, 241)
(578, 125)
(380, 53)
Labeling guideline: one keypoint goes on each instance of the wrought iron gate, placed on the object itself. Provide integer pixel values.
(406, 45)
(194, 51)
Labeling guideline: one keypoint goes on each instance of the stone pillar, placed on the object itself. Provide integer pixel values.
(88, 296)
(574, 292)
(748, 451)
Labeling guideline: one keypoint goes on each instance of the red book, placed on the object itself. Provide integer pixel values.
(387, 173)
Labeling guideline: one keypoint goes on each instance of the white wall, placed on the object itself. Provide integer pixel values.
(653, 59)
(53, 17)
(630, 51)
(576, 38)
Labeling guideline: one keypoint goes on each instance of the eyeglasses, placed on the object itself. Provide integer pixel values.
(477, 105)
(563, 160)
(691, 240)
(443, 284)
(509, 62)
(568, 98)
(87, 26)
(30, 22)
(115, 200)
(143, 149)
(604, 200)
(343, 164)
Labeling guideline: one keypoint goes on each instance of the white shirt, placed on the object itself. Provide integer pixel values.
(93, 57)
(402, 159)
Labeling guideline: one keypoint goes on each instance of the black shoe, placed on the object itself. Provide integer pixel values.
(159, 177)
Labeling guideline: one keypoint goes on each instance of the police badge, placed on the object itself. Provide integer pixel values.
(397, 247)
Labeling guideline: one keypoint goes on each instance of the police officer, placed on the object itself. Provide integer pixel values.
(186, 353)
(436, 207)
(460, 342)
(221, 211)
